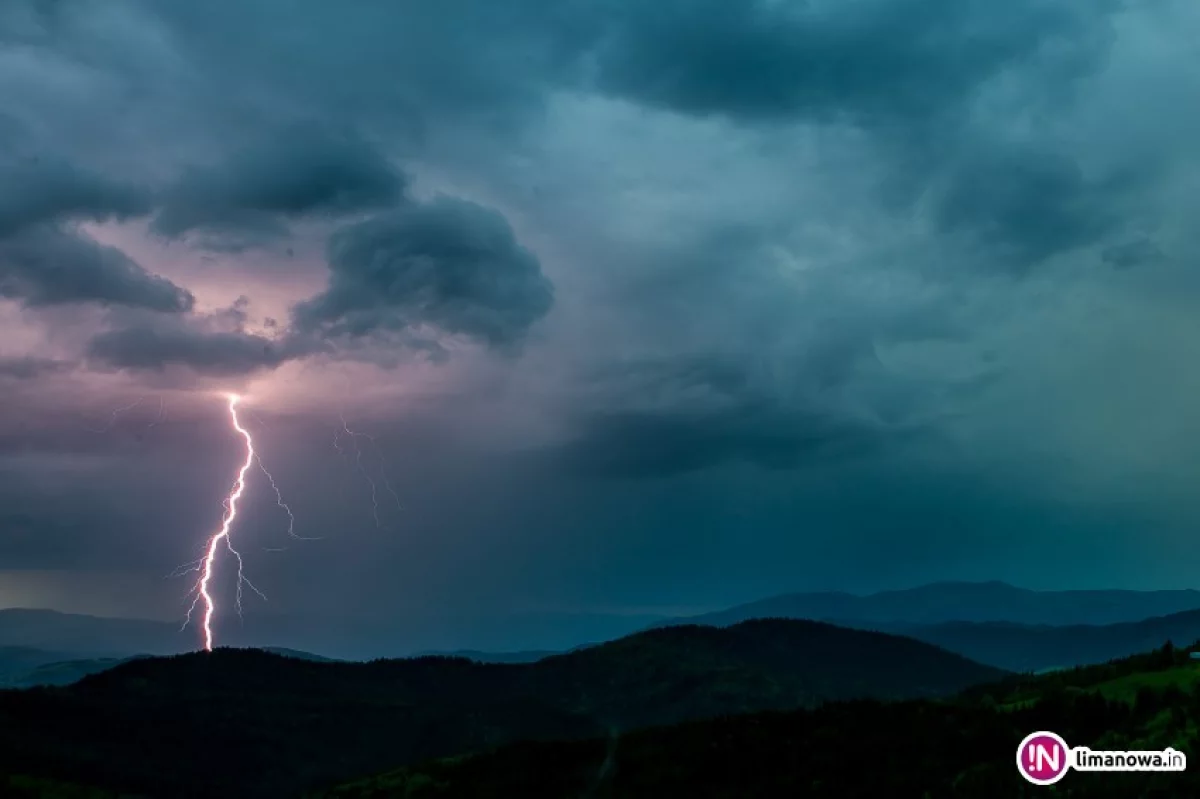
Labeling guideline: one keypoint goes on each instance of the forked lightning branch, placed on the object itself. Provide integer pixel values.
(222, 539)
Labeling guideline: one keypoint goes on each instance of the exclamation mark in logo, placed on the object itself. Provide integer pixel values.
(1043, 758)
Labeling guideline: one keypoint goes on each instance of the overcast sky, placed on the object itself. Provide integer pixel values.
(645, 307)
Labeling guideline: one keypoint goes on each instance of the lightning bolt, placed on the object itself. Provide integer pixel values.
(162, 406)
(115, 415)
(291, 531)
(354, 436)
(112, 419)
(205, 565)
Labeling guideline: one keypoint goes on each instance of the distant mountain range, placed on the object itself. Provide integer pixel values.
(386, 635)
(991, 637)
(18, 663)
(1014, 647)
(279, 726)
(283, 651)
(959, 601)
(1026, 647)
(54, 669)
(25, 667)
(999, 624)
(993, 623)
(89, 636)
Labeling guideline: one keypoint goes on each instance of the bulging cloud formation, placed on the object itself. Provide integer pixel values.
(905, 71)
(300, 170)
(28, 367)
(873, 62)
(155, 345)
(686, 415)
(446, 268)
(46, 266)
(34, 191)
(1025, 205)
(407, 278)
(216, 344)
(45, 259)
(448, 265)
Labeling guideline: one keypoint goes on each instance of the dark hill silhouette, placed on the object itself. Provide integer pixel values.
(1022, 647)
(527, 656)
(280, 725)
(16, 662)
(960, 601)
(20, 658)
(1016, 647)
(853, 749)
(63, 672)
(669, 673)
(284, 651)
(25, 667)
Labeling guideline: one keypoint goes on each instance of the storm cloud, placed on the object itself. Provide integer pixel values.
(297, 171)
(449, 265)
(55, 266)
(656, 418)
(875, 63)
(34, 191)
(655, 444)
(210, 345)
(26, 367)
(154, 347)
(45, 259)
(1026, 205)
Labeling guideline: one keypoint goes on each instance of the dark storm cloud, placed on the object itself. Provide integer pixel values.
(25, 367)
(911, 74)
(297, 171)
(708, 375)
(1139, 252)
(40, 190)
(160, 343)
(647, 444)
(873, 61)
(660, 418)
(450, 265)
(407, 65)
(1025, 204)
(47, 266)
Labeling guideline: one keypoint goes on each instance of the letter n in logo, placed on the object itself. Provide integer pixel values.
(1043, 758)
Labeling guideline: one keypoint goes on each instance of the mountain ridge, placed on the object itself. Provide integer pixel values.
(281, 725)
(1034, 647)
(960, 747)
(948, 601)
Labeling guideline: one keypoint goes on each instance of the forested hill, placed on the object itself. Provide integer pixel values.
(279, 725)
(906, 750)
